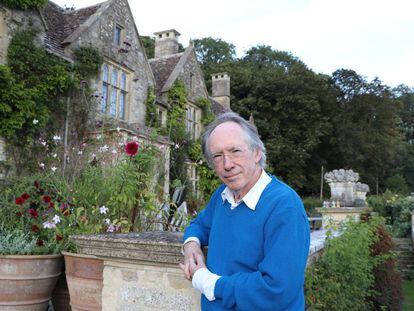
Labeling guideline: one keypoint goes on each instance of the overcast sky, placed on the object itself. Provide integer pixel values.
(373, 37)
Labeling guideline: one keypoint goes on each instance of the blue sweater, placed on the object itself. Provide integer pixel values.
(260, 255)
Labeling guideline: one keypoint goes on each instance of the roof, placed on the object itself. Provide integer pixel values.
(62, 23)
(163, 68)
(218, 108)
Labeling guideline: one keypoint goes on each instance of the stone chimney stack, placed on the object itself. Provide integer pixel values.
(166, 43)
(221, 88)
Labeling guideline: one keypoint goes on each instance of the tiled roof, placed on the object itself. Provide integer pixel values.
(62, 23)
(163, 67)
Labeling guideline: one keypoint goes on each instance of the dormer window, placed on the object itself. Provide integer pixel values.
(118, 34)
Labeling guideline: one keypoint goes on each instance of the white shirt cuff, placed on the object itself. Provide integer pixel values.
(205, 281)
(191, 238)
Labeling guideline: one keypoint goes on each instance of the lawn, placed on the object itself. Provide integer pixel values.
(408, 289)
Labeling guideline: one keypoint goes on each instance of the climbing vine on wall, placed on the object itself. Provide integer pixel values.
(151, 117)
(33, 104)
(23, 4)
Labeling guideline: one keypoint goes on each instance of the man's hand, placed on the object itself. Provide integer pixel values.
(193, 259)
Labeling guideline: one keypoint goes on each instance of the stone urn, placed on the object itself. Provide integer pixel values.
(84, 276)
(27, 281)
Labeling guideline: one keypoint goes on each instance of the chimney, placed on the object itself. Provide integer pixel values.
(166, 43)
(221, 88)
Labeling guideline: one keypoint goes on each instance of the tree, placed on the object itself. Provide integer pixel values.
(284, 97)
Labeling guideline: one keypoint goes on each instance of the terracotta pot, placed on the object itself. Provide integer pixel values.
(27, 282)
(84, 275)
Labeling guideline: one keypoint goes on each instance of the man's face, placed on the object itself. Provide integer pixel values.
(234, 162)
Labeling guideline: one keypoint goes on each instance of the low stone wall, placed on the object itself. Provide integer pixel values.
(141, 270)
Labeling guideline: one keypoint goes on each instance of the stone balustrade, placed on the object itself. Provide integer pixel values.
(141, 270)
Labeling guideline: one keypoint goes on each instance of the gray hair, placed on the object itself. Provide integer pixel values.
(253, 139)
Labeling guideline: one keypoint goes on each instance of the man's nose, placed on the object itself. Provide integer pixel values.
(227, 162)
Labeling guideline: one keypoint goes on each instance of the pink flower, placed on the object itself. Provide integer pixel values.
(131, 148)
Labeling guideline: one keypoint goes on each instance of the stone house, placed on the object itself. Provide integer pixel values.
(126, 75)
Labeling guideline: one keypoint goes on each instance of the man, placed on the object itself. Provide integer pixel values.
(255, 227)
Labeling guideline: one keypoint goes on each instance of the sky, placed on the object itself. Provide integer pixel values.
(375, 38)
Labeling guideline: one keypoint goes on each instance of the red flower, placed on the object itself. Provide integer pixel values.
(20, 201)
(35, 228)
(51, 205)
(25, 196)
(19, 214)
(131, 148)
(59, 237)
(46, 199)
(40, 243)
(33, 212)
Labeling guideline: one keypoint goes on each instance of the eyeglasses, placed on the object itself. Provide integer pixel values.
(234, 154)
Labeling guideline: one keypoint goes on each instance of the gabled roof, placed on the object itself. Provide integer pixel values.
(163, 68)
(62, 24)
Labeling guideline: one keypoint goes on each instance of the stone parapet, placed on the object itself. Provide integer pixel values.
(141, 270)
(334, 216)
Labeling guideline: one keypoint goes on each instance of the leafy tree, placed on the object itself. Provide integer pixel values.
(284, 97)
(24, 4)
(149, 45)
(366, 136)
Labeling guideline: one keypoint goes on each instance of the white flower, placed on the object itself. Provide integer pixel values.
(105, 148)
(135, 138)
(42, 165)
(118, 128)
(35, 121)
(200, 162)
(53, 168)
(44, 143)
(49, 225)
(107, 221)
(56, 219)
(176, 146)
(114, 151)
(111, 228)
(121, 144)
(103, 209)
(80, 152)
(56, 138)
(98, 137)
(54, 155)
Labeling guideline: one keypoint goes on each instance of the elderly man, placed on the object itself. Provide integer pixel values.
(255, 227)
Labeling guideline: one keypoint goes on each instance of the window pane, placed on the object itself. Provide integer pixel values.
(112, 109)
(104, 99)
(118, 35)
(114, 80)
(105, 73)
(123, 81)
(122, 105)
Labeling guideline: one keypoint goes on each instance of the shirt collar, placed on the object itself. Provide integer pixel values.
(252, 197)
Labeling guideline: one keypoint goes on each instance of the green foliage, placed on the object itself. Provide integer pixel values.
(149, 45)
(151, 116)
(15, 242)
(396, 209)
(24, 4)
(342, 278)
(176, 131)
(397, 184)
(88, 62)
(207, 115)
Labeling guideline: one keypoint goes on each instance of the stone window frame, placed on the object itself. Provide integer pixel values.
(115, 90)
(193, 121)
(119, 33)
(162, 116)
(193, 178)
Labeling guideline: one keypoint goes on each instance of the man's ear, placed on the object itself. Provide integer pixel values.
(257, 156)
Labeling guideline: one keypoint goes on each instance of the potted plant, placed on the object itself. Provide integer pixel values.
(30, 259)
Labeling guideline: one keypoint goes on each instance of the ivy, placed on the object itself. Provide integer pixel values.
(207, 115)
(151, 117)
(35, 88)
(24, 4)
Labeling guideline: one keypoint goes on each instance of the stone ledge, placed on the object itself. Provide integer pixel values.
(155, 247)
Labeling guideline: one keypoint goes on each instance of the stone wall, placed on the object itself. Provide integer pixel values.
(100, 34)
(141, 270)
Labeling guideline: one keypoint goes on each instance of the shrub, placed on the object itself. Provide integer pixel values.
(342, 278)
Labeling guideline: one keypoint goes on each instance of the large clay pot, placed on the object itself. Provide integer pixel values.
(84, 275)
(27, 282)
(60, 295)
